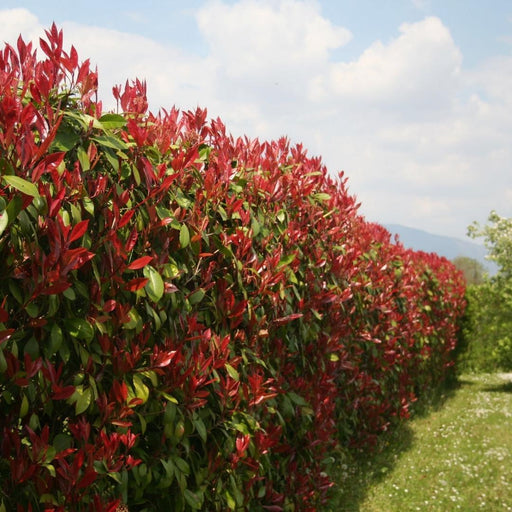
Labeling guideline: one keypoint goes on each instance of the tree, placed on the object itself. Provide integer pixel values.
(498, 240)
(490, 304)
(472, 269)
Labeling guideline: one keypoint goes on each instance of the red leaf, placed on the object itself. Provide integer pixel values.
(75, 258)
(112, 507)
(140, 262)
(48, 164)
(164, 358)
(62, 393)
(87, 479)
(3, 313)
(6, 334)
(58, 287)
(44, 46)
(136, 284)
(78, 230)
(126, 218)
(122, 423)
(120, 390)
(286, 319)
(49, 139)
(109, 306)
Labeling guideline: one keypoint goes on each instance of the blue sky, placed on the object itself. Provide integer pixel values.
(412, 98)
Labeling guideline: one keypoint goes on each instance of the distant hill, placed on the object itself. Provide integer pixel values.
(443, 245)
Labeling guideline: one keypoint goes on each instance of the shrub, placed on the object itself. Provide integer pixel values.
(488, 319)
(189, 320)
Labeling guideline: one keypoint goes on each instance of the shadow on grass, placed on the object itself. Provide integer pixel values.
(363, 469)
(467, 382)
(506, 387)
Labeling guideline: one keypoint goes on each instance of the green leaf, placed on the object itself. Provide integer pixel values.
(143, 423)
(65, 140)
(83, 400)
(62, 442)
(193, 499)
(197, 296)
(232, 372)
(88, 205)
(169, 467)
(182, 465)
(69, 293)
(230, 501)
(155, 286)
(3, 361)
(84, 119)
(80, 328)
(110, 142)
(141, 390)
(201, 429)
(83, 158)
(286, 260)
(34, 422)
(14, 208)
(32, 348)
(322, 196)
(184, 236)
(22, 185)
(255, 225)
(297, 399)
(241, 427)
(4, 220)
(24, 407)
(152, 376)
(168, 397)
(169, 413)
(112, 158)
(112, 121)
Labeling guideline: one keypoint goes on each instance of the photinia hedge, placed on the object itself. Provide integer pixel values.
(189, 320)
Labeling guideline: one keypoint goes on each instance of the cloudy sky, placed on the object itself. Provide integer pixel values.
(411, 98)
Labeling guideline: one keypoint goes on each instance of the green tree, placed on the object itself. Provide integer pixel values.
(473, 270)
(489, 326)
(498, 240)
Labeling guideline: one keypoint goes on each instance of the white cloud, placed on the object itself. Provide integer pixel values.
(421, 5)
(423, 141)
(418, 69)
(252, 38)
(18, 21)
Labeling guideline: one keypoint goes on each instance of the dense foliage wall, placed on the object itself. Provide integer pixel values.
(189, 320)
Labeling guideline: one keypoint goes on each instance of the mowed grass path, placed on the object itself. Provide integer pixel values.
(456, 456)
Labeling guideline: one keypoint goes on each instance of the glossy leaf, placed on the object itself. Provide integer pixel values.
(22, 185)
(140, 262)
(155, 285)
(184, 236)
(4, 221)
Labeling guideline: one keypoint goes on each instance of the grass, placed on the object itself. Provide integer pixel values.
(457, 455)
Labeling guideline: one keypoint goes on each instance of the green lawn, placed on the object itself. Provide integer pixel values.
(457, 456)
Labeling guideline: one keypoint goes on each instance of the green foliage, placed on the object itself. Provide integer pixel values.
(497, 236)
(488, 325)
(473, 270)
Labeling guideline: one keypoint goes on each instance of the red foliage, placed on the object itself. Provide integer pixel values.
(190, 313)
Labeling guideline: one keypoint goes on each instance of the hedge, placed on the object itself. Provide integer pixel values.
(190, 320)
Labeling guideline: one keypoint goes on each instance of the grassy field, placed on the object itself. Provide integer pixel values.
(455, 456)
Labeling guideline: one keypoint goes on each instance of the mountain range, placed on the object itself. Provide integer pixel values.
(446, 246)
